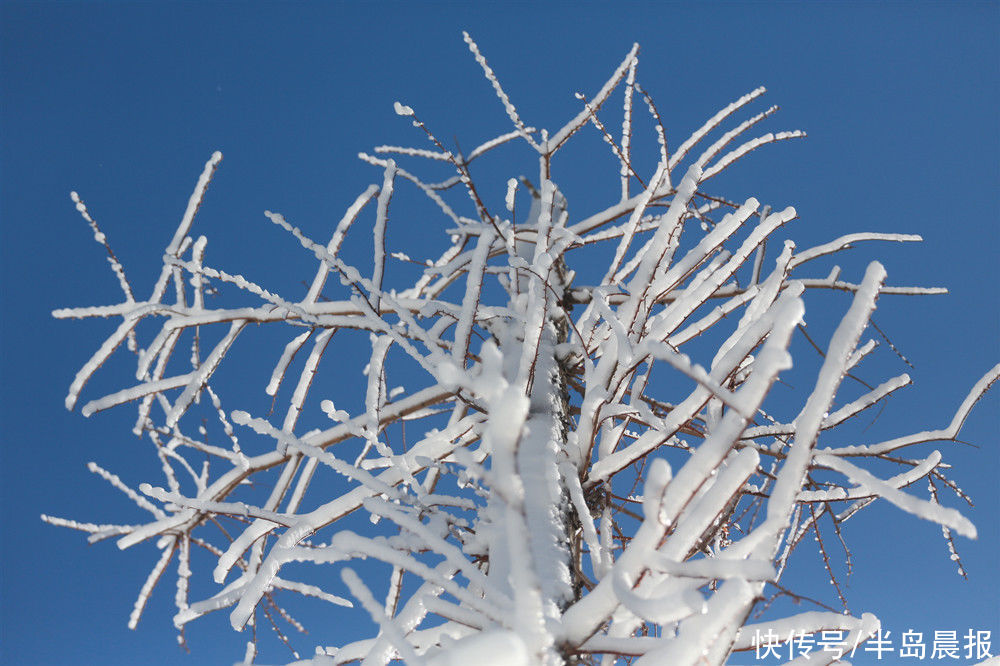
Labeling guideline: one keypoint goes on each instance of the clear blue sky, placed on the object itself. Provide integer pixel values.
(124, 102)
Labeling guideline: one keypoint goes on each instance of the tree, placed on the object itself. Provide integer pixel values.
(543, 496)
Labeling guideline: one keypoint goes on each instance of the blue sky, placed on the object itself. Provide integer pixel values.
(124, 102)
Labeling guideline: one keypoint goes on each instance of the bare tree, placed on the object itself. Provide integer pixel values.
(568, 483)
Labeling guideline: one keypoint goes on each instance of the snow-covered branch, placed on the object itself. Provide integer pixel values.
(559, 484)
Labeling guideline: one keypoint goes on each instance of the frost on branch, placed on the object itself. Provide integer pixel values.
(568, 476)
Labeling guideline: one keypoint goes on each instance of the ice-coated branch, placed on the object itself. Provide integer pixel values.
(927, 510)
(116, 266)
(507, 105)
(557, 484)
(560, 137)
(944, 434)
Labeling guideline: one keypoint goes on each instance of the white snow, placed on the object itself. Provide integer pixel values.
(523, 504)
